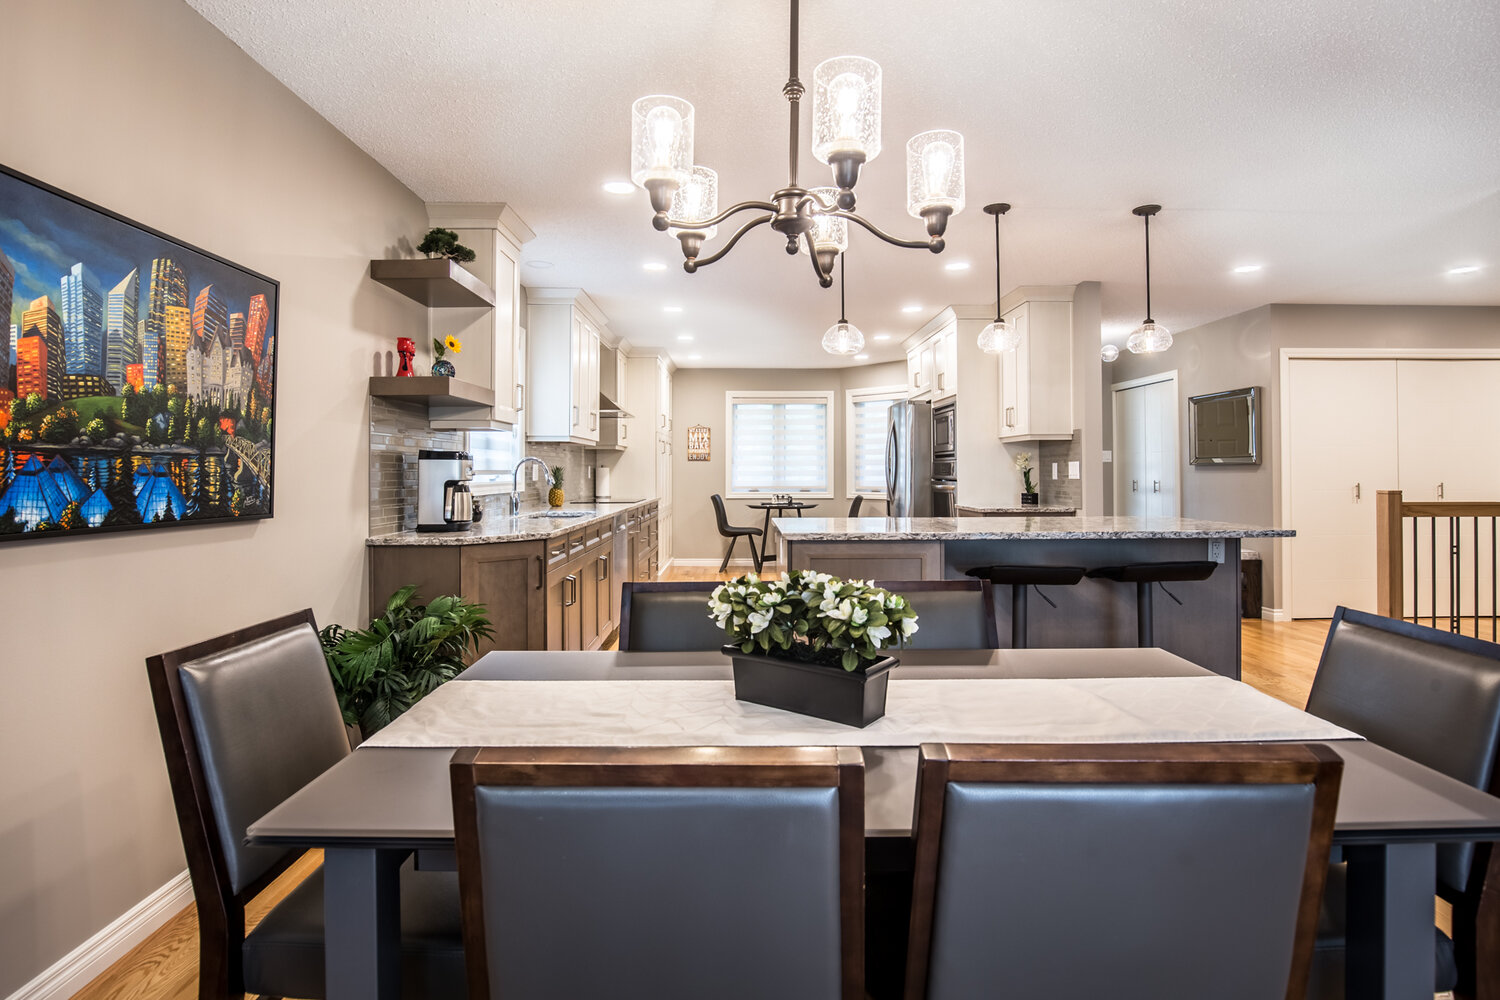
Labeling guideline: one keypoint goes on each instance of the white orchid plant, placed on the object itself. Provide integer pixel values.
(812, 616)
(1023, 466)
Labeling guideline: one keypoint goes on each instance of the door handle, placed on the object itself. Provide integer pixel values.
(520, 396)
(602, 569)
(624, 429)
(890, 463)
(1440, 491)
(568, 602)
(1156, 486)
(593, 421)
(1356, 492)
(575, 416)
(541, 576)
(1134, 484)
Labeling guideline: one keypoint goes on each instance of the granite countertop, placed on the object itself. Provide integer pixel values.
(531, 526)
(958, 529)
(964, 508)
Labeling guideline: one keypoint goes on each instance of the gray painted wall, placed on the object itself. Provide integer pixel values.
(161, 118)
(1245, 349)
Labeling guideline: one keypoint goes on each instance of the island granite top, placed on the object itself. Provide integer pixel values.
(960, 529)
(1034, 509)
(531, 526)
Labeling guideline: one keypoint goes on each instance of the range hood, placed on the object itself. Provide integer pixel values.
(609, 408)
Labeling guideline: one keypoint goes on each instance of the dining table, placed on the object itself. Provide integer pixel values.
(390, 798)
(767, 551)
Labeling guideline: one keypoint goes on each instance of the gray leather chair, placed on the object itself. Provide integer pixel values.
(247, 719)
(951, 614)
(1433, 697)
(668, 617)
(1128, 872)
(665, 873)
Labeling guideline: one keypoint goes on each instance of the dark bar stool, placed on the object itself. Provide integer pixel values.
(1018, 579)
(1145, 576)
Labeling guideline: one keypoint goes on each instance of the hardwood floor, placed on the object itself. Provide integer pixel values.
(1277, 658)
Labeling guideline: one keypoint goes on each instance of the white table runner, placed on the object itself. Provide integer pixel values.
(705, 713)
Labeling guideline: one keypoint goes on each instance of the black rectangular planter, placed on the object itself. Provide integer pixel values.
(850, 698)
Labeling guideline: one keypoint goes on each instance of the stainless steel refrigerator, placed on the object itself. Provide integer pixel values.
(908, 459)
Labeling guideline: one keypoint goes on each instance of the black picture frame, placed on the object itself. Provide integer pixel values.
(147, 399)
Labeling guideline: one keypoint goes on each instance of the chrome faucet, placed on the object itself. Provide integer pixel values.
(515, 482)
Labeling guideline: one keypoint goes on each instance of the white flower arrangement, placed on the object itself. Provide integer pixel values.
(1023, 466)
(812, 616)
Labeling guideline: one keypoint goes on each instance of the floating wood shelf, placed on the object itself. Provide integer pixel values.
(434, 390)
(433, 282)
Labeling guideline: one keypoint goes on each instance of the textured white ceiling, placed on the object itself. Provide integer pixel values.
(1352, 147)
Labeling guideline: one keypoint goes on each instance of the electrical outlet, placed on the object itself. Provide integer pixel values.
(1073, 471)
(1216, 550)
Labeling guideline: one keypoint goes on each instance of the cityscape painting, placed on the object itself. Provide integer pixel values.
(138, 383)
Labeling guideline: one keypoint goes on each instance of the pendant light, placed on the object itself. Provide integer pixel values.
(1108, 353)
(999, 336)
(1150, 337)
(843, 338)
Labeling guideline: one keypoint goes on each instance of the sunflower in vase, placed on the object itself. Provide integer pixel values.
(440, 364)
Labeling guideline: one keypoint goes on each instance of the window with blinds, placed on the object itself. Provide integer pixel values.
(868, 422)
(780, 443)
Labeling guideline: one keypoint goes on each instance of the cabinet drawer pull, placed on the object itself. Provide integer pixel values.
(570, 596)
(603, 569)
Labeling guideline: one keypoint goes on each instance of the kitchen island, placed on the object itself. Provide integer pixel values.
(549, 578)
(1203, 628)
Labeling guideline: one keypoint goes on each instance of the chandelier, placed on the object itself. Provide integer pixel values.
(846, 136)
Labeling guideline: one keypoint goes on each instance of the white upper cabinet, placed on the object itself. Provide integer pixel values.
(932, 366)
(562, 385)
(1036, 379)
(489, 335)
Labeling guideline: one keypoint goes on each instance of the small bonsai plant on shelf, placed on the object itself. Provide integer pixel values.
(812, 617)
(444, 243)
(381, 671)
(555, 494)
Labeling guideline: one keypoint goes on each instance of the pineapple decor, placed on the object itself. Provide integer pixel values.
(555, 494)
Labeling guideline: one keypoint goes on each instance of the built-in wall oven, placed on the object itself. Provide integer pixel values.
(945, 461)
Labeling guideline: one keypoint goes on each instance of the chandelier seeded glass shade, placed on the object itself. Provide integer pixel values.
(846, 136)
(1150, 337)
(999, 336)
(843, 338)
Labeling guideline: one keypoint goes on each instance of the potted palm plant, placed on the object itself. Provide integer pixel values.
(812, 643)
(381, 671)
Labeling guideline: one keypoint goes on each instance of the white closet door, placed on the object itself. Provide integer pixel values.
(1448, 424)
(1159, 485)
(1130, 453)
(1342, 433)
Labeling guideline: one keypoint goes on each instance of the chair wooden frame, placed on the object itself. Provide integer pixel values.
(663, 767)
(628, 589)
(221, 911)
(984, 587)
(1181, 763)
(1476, 910)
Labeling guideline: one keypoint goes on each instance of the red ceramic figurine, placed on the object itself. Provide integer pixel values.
(407, 348)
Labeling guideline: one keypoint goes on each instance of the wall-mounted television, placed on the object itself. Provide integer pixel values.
(1224, 428)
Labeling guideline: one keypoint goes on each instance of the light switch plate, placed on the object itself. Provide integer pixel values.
(1108, 456)
(1054, 470)
(1073, 470)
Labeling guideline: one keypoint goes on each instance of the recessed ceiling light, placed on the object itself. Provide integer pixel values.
(684, 337)
(881, 336)
(957, 265)
(912, 307)
(540, 265)
(654, 265)
(861, 357)
(671, 309)
(1248, 268)
(1464, 269)
(619, 187)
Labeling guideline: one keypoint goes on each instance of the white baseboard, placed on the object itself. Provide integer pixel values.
(88, 961)
(1275, 614)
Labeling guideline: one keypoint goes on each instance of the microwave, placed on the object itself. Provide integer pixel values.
(944, 431)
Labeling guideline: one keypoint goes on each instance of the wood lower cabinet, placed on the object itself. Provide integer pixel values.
(507, 578)
(563, 593)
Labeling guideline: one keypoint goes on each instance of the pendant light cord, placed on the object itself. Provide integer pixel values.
(997, 267)
(1148, 269)
(843, 269)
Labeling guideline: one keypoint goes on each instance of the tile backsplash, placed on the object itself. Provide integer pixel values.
(1062, 491)
(398, 431)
